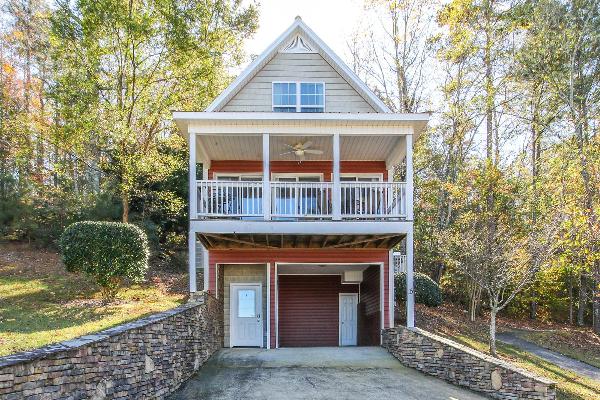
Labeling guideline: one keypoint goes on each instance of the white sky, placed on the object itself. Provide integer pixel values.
(332, 20)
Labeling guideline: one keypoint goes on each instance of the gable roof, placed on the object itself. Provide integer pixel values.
(294, 37)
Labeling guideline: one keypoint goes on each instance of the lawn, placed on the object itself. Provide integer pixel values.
(41, 303)
(451, 322)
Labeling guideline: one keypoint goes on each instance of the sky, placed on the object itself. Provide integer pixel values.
(332, 20)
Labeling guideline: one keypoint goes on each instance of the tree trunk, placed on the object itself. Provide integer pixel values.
(596, 303)
(570, 293)
(125, 201)
(581, 305)
(474, 299)
(493, 312)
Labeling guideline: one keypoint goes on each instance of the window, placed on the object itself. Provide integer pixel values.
(284, 97)
(312, 98)
(308, 97)
(246, 303)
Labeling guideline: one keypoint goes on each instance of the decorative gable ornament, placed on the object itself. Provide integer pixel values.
(297, 45)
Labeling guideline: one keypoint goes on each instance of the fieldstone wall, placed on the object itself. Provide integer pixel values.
(145, 359)
(463, 366)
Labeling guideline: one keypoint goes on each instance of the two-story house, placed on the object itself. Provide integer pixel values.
(294, 204)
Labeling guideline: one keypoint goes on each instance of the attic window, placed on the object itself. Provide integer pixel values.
(307, 97)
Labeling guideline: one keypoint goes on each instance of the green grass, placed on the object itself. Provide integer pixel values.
(552, 341)
(48, 305)
(570, 386)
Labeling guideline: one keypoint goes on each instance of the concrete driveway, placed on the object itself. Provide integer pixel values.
(313, 373)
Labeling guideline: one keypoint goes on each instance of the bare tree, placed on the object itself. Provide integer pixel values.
(391, 51)
(502, 262)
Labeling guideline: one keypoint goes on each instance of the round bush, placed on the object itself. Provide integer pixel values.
(426, 290)
(108, 251)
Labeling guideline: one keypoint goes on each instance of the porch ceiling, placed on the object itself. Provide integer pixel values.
(356, 148)
(222, 241)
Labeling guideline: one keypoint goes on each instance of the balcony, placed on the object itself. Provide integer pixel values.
(301, 201)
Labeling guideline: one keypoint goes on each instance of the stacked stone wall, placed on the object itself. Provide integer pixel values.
(145, 359)
(463, 366)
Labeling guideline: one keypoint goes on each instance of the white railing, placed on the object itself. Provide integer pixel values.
(399, 262)
(230, 199)
(297, 200)
(373, 199)
(301, 199)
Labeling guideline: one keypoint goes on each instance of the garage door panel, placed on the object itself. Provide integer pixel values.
(308, 309)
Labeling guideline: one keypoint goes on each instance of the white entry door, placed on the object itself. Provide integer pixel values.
(246, 326)
(348, 321)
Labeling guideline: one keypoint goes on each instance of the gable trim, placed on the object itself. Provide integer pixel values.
(338, 65)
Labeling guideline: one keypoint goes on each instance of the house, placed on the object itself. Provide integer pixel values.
(295, 208)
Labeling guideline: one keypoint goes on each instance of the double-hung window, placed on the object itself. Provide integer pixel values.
(308, 97)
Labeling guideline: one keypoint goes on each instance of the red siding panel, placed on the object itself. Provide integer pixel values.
(313, 167)
(309, 309)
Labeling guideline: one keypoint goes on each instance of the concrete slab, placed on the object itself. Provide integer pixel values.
(313, 373)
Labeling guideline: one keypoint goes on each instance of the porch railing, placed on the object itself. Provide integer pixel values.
(373, 199)
(399, 262)
(230, 199)
(301, 200)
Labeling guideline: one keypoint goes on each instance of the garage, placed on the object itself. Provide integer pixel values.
(329, 309)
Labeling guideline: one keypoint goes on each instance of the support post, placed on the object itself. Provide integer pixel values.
(193, 213)
(337, 190)
(266, 201)
(192, 178)
(410, 292)
(409, 177)
(192, 259)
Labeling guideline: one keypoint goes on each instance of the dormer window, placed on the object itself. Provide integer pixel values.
(307, 97)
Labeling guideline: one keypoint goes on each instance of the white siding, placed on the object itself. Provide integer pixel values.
(306, 67)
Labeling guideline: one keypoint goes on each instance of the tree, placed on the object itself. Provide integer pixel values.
(502, 257)
(126, 64)
(392, 54)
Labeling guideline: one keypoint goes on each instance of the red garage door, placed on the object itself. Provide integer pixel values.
(308, 309)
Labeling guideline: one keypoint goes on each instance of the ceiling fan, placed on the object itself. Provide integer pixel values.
(301, 149)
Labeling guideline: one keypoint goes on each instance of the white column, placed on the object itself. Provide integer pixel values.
(337, 192)
(410, 293)
(192, 259)
(205, 267)
(409, 177)
(192, 178)
(193, 213)
(391, 291)
(266, 178)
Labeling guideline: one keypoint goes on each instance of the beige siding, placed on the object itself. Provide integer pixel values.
(339, 95)
(243, 274)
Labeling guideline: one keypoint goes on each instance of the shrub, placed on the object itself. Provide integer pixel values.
(426, 290)
(108, 251)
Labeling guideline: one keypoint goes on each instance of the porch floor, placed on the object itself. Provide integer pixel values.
(313, 373)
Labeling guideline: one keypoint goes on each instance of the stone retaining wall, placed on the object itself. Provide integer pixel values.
(145, 359)
(463, 366)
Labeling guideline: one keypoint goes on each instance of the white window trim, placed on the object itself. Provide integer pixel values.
(298, 105)
(276, 175)
(379, 176)
(218, 175)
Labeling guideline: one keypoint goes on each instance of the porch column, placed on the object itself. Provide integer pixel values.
(409, 177)
(410, 293)
(337, 191)
(193, 212)
(192, 178)
(266, 192)
(192, 259)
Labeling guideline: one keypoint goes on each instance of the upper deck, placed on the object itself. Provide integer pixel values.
(300, 173)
